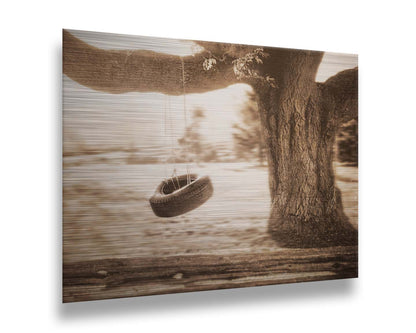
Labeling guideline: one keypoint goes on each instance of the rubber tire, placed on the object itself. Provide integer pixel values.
(183, 200)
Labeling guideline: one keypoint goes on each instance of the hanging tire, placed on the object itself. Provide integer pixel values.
(175, 197)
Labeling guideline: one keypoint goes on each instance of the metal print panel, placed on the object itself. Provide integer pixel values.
(191, 165)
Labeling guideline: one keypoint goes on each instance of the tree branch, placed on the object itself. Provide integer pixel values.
(341, 91)
(120, 71)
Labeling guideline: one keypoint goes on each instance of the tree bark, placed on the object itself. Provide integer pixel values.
(121, 71)
(299, 118)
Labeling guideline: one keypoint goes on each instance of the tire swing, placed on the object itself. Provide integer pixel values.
(177, 195)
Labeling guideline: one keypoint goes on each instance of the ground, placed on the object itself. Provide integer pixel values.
(107, 213)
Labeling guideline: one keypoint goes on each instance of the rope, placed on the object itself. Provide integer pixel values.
(166, 136)
(188, 177)
(168, 117)
(174, 174)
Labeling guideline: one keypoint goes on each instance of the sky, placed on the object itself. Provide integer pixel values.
(144, 120)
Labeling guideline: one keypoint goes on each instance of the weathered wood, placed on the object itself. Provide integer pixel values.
(111, 278)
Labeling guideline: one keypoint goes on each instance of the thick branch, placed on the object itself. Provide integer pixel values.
(120, 71)
(341, 91)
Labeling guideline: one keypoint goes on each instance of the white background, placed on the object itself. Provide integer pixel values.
(382, 33)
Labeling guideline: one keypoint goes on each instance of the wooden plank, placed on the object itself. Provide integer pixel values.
(112, 278)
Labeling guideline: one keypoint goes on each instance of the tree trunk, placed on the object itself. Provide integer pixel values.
(299, 128)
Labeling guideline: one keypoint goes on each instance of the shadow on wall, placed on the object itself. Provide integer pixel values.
(207, 300)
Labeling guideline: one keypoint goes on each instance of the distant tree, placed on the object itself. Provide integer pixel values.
(194, 147)
(249, 143)
(347, 143)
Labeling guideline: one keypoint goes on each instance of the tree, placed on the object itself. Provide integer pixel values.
(248, 139)
(299, 118)
(347, 143)
(193, 146)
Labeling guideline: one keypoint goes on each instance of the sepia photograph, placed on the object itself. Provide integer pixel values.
(191, 165)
